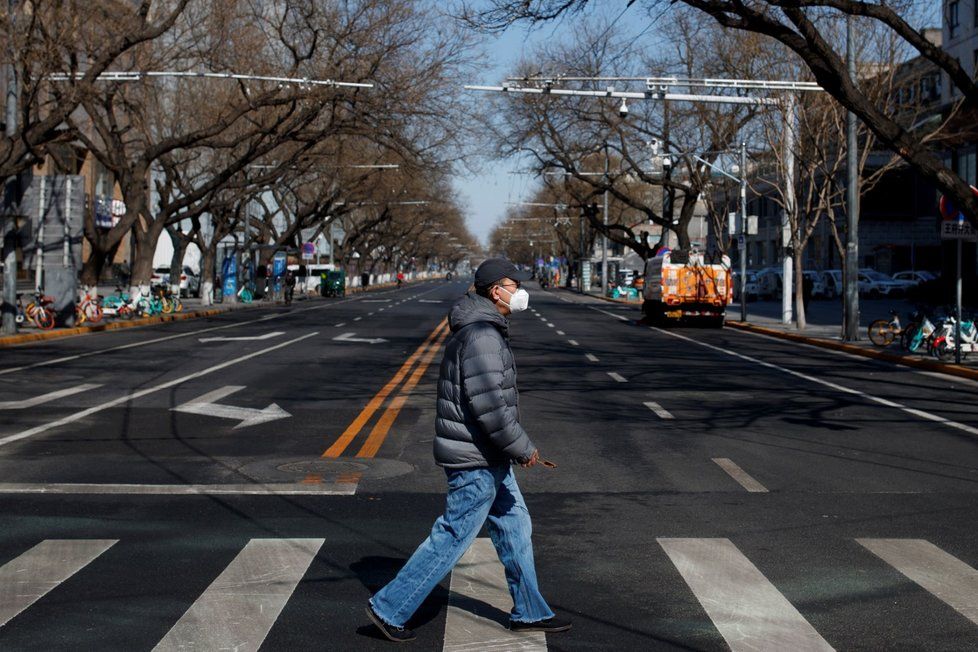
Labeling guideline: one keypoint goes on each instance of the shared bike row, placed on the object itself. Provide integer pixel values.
(935, 337)
(88, 309)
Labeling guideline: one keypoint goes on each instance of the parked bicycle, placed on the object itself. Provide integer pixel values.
(945, 342)
(88, 309)
(39, 311)
(882, 332)
(118, 304)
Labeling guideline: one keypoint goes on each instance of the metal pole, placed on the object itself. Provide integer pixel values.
(743, 231)
(39, 244)
(851, 311)
(789, 205)
(8, 323)
(65, 230)
(957, 324)
(604, 235)
(580, 260)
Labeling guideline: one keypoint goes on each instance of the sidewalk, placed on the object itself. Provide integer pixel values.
(193, 308)
(824, 329)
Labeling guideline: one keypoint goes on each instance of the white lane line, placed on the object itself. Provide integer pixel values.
(239, 608)
(948, 578)
(610, 314)
(741, 476)
(166, 338)
(549, 325)
(46, 398)
(339, 488)
(591, 357)
(933, 374)
(370, 314)
(339, 325)
(357, 318)
(561, 333)
(543, 319)
(71, 418)
(478, 600)
(617, 376)
(747, 610)
(839, 388)
(243, 338)
(573, 342)
(660, 412)
(29, 577)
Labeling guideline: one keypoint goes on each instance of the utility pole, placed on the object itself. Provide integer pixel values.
(743, 232)
(787, 267)
(8, 325)
(580, 259)
(851, 276)
(604, 235)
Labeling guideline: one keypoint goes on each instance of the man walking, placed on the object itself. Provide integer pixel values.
(477, 439)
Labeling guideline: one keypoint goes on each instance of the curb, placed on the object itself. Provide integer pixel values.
(23, 338)
(907, 361)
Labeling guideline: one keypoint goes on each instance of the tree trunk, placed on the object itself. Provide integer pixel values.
(208, 256)
(176, 262)
(800, 319)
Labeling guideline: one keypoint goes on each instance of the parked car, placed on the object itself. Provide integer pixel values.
(914, 277)
(832, 280)
(769, 283)
(751, 288)
(189, 280)
(875, 284)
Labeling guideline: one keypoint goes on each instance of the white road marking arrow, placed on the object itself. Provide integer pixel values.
(348, 337)
(46, 398)
(245, 338)
(208, 406)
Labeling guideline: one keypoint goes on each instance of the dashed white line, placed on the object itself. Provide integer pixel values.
(561, 333)
(661, 412)
(617, 376)
(339, 325)
(573, 342)
(357, 318)
(591, 357)
(738, 474)
(549, 325)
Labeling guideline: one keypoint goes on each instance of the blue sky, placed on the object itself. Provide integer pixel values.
(486, 193)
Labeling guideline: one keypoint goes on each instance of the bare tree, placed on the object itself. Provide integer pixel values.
(798, 25)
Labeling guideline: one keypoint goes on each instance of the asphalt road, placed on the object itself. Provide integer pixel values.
(714, 489)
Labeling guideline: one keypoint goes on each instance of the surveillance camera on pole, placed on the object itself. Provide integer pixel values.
(623, 109)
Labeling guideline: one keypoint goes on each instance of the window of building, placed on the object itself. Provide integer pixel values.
(953, 21)
(966, 166)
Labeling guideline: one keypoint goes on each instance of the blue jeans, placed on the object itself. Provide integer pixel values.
(473, 496)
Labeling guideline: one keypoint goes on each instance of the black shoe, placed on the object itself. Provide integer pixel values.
(396, 634)
(550, 626)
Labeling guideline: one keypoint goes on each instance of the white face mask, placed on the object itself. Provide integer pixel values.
(518, 301)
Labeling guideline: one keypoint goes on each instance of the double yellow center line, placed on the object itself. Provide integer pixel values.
(425, 354)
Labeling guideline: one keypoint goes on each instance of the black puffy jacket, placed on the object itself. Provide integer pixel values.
(478, 422)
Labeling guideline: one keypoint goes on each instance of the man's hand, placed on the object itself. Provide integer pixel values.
(533, 459)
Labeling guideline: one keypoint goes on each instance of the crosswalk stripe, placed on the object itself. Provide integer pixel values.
(747, 610)
(239, 608)
(29, 577)
(478, 590)
(945, 576)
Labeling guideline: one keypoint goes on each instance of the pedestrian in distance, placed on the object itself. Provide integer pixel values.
(807, 287)
(478, 439)
(289, 286)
